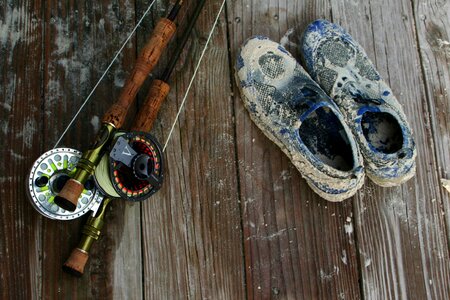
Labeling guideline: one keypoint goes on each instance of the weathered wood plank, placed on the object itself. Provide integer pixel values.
(402, 244)
(20, 115)
(80, 40)
(122, 240)
(191, 228)
(432, 22)
(290, 244)
(296, 245)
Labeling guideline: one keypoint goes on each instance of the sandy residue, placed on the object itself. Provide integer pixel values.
(84, 58)
(79, 56)
(328, 275)
(28, 132)
(95, 122)
(15, 29)
(443, 46)
(446, 184)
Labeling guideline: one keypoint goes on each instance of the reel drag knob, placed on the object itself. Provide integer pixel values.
(141, 166)
(143, 170)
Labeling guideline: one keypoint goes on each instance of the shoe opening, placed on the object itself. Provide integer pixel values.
(325, 137)
(382, 132)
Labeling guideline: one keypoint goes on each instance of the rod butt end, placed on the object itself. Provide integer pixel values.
(76, 262)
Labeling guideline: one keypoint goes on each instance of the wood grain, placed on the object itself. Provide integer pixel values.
(432, 20)
(77, 52)
(191, 228)
(234, 219)
(402, 245)
(296, 245)
(20, 119)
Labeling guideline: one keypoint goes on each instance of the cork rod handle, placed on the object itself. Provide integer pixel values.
(146, 61)
(149, 111)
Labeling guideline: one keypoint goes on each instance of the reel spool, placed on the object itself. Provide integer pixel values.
(133, 169)
(48, 175)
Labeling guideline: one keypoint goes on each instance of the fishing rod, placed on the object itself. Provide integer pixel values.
(132, 169)
(113, 119)
(160, 88)
(53, 169)
(127, 165)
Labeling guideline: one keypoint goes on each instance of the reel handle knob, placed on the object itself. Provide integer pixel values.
(41, 181)
(141, 166)
(68, 197)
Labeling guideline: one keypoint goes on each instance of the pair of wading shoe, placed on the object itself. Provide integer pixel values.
(336, 122)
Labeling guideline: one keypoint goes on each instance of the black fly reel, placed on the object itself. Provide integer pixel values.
(136, 166)
(133, 169)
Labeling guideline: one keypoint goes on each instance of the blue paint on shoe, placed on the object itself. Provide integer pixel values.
(239, 62)
(282, 49)
(377, 120)
(296, 114)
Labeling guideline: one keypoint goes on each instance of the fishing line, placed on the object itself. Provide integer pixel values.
(104, 73)
(193, 76)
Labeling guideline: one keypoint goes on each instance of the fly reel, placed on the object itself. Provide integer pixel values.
(48, 175)
(133, 168)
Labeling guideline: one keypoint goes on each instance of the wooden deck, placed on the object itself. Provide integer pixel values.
(234, 219)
